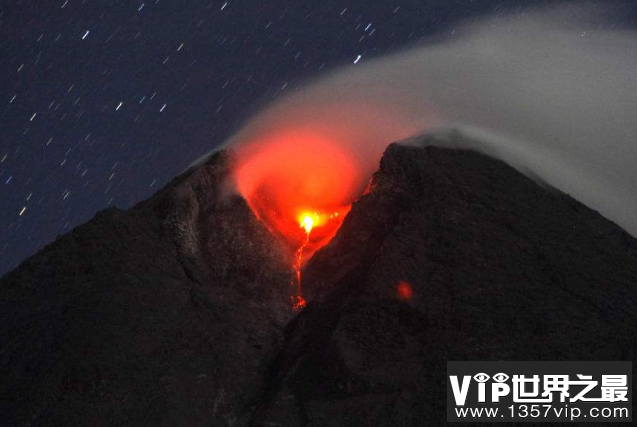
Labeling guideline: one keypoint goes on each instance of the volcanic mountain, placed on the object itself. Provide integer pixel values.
(177, 311)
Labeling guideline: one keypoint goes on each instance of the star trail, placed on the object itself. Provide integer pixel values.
(103, 102)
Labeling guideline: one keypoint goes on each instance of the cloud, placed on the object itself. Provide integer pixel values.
(551, 91)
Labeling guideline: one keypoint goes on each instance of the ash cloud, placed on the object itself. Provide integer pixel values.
(553, 92)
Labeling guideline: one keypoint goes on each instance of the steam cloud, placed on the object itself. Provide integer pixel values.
(552, 92)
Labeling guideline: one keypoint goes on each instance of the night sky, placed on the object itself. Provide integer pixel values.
(103, 102)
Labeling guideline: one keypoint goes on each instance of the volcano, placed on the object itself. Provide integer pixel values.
(177, 311)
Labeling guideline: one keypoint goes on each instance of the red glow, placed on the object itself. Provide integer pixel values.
(294, 175)
(405, 291)
(301, 186)
(312, 153)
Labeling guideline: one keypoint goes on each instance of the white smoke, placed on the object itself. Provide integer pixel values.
(552, 92)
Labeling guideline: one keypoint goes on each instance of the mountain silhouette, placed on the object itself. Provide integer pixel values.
(177, 311)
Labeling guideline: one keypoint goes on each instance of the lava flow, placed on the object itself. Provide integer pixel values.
(307, 223)
(301, 186)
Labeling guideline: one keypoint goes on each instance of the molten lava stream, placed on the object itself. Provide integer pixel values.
(326, 228)
(298, 302)
(301, 184)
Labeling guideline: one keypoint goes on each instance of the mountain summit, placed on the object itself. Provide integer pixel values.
(177, 312)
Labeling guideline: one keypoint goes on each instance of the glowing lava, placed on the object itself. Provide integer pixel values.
(405, 291)
(307, 222)
(296, 175)
(301, 185)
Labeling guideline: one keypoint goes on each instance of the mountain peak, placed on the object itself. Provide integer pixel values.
(177, 311)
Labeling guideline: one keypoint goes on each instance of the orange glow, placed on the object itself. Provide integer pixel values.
(311, 154)
(307, 222)
(297, 178)
(301, 185)
(405, 291)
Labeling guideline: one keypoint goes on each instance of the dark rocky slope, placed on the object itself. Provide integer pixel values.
(176, 312)
(501, 269)
(167, 314)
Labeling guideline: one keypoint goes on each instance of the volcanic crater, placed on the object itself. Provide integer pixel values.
(178, 310)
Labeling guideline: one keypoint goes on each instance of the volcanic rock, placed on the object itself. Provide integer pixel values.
(499, 268)
(167, 314)
(177, 311)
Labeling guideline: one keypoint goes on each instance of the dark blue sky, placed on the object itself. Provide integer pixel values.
(103, 102)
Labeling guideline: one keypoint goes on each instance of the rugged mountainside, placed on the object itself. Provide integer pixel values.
(167, 314)
(177, 311)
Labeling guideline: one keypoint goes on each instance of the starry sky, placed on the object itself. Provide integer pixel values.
(102, 102)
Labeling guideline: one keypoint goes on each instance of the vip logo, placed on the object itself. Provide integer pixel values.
(527, 389)
(507, 391)
(498, 388)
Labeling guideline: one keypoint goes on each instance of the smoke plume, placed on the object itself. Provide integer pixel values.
(553, 92)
